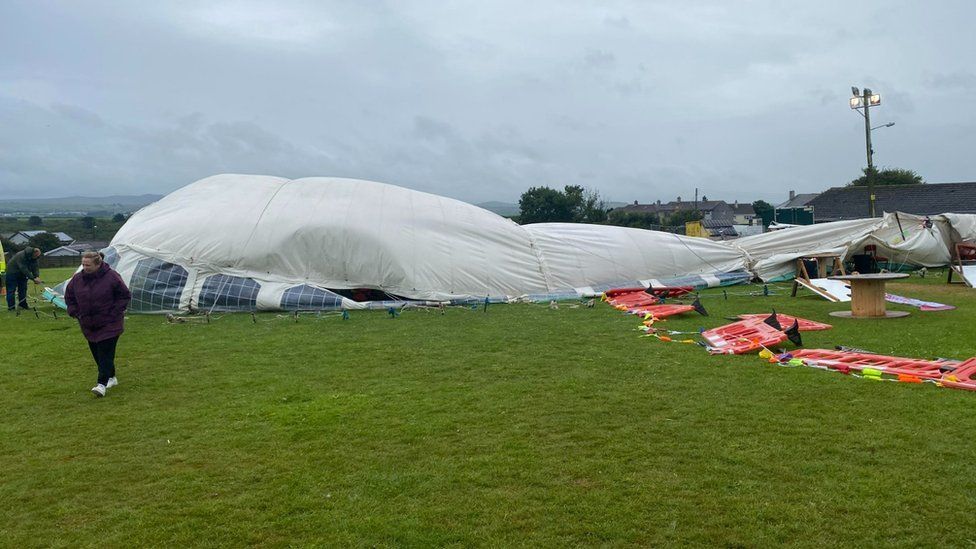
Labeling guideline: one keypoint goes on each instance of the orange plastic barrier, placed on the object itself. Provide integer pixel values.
(892, 365)
(744, 336)
(962, 377)
(787, 320)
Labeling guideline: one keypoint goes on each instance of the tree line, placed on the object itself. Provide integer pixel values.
(576, 204)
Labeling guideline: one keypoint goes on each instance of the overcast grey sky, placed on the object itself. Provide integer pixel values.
(481, 100)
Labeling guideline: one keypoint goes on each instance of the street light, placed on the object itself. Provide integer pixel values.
(865, 101)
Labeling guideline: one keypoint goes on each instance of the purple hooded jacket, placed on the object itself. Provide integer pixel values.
(98, 301)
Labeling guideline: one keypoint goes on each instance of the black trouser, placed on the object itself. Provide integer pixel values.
(16, 283)
(104, 354)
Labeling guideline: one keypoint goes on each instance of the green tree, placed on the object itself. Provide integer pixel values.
(764, 210)
(35, 221)
(544, 205)
(45, 241)
(639, 220)
(680, 217)
(118, 218)
(88, 222)
(586, 204)
(889, 176)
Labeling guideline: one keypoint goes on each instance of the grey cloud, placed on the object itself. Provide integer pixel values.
(599, 59)
(617, 21)
(77, 114)
(961, 80)
(644, 102)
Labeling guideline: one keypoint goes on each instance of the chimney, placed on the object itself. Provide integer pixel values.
(792, 195)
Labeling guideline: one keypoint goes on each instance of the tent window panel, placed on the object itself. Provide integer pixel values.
(156, 286)
(111, 256)
(229, 293)
(308, 298)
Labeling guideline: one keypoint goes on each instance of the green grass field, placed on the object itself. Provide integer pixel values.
(519, 426)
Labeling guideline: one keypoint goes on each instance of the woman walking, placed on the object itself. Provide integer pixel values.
(97, 297)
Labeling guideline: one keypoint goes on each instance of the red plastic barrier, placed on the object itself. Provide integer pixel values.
(892, 365)
(787, 321)
(671, 291)
(660, 291)
(636, 299)
(963, 377)
(620, 291)
(744, 336)
(661, 311)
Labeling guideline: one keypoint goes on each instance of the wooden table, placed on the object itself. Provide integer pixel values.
(868, 296)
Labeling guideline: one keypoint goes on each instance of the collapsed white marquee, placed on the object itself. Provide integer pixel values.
(242, 242)
(246, 242)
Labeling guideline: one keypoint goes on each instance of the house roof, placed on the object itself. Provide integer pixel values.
(61, 236)
(743, 209)
(798, 201)
(63, 250)
(640, 208)
(703, 205)
(716, 223)
(922, 199)
(77, 248)
(85, 246)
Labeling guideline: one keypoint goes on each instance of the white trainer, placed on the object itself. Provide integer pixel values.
(112, 382)
(99, 390)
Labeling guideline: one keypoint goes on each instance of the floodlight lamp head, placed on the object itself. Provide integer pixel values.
(867, 92)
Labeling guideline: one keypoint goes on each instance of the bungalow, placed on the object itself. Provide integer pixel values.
(849, 202)
(22, 237)
(75, 249)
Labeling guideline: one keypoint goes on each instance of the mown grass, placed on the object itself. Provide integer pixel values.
(519, 426)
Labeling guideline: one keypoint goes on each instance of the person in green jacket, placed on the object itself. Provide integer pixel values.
(22, 267)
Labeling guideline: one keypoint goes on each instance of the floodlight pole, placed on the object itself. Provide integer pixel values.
(870, 151)
(858, 101)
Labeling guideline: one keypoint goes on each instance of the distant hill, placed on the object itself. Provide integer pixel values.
(73, 205)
